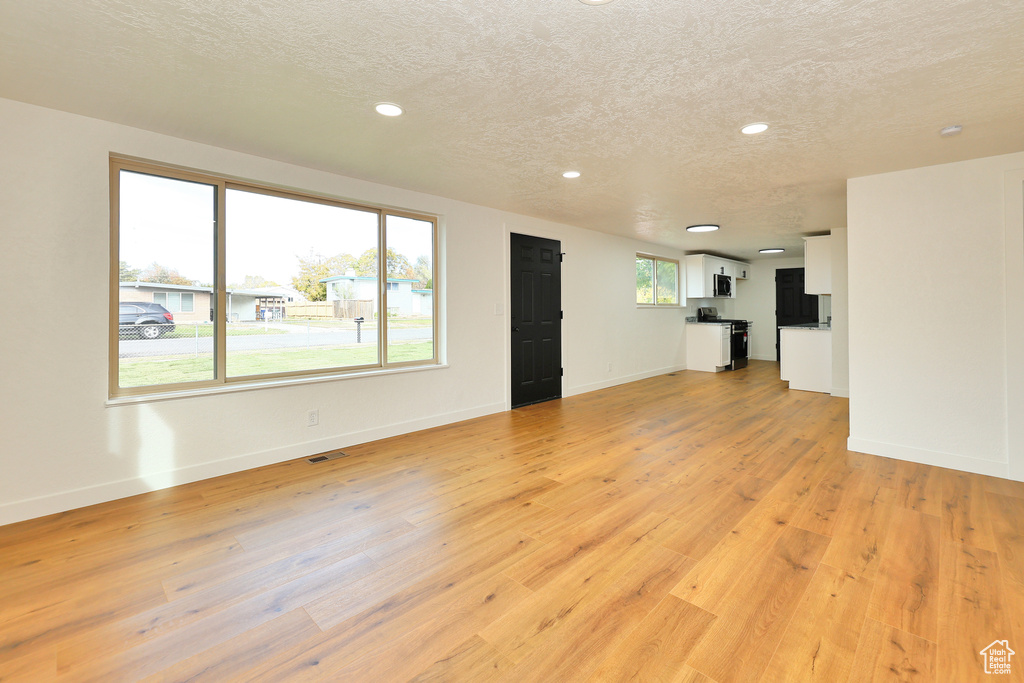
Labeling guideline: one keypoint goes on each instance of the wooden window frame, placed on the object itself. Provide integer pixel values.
(219, 296)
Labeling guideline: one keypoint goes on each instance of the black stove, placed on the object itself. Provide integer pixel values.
(709, 314)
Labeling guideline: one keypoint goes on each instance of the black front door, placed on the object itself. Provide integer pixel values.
(792, 306)
(536, 312)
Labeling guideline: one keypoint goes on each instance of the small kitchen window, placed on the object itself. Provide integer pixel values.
(657, 281)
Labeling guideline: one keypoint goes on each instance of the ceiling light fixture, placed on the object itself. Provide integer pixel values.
(388, 109)
(707, 227)
(595, 2)
(772, 250)
(571, 174)
(950, 131)
(754, 128)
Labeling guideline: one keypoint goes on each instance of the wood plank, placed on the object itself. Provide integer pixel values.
(659, 646)
(973, 613)
(472, 660)
(1007, 520)
(567, 642)
(888, 654)
(919, 487)
(223, 662)
(752, 621)
(861, 529)
(821, 641)
(965, 517)
(906, 593)
(417, 647)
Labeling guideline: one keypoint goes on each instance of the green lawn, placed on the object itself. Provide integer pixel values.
(138, 372)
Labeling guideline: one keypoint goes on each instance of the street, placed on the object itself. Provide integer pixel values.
(294, 338)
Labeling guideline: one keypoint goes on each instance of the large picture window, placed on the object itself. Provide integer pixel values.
(657, 281)
(221, 282)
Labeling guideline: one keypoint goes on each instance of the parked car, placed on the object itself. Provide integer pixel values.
(144, 319)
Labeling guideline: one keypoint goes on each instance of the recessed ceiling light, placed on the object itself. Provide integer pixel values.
(754, 128)
(708, 227)
(950, 131)
(773, 250)
(571, 174)
(595, 2)
(388, 109)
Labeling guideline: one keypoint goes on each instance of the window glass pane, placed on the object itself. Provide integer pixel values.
(325, 258)
(187, 302)
(410, 290)
(644, 280)
(668, 292)
(160, 298)
(173, 302)
(165, 236)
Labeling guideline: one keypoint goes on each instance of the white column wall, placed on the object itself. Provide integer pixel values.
(927, 314)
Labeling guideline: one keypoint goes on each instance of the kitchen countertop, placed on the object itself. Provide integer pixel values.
(816, 327)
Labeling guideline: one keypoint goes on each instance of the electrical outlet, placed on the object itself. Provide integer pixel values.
(313, 418)
(609, 367)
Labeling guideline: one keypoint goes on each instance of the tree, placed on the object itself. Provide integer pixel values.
(163, 275)
(644, 280)
(311, 270)
(398, 265)
(128, 274)
(422, 272)
(341, 264)
(253, 282)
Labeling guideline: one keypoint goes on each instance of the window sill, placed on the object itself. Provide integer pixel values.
(660, 306)
(264, 384)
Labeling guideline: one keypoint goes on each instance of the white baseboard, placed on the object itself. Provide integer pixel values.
(841, 392)
(100, 493)
(772, 357)
(605, 384)
(926, 457)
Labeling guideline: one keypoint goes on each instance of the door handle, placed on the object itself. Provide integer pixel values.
(515, 329)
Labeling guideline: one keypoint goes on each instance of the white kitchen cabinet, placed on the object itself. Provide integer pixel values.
(806, 358)
(700, 272)
(818, 265)
(708, 346)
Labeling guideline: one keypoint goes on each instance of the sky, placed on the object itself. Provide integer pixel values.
(171, 222)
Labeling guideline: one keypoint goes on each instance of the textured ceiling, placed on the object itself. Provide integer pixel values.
(644, 98)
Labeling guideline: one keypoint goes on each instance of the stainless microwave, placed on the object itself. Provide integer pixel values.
(722, 285)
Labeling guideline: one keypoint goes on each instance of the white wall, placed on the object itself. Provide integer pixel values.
(64, 446)
(928, 380)
(755, 301)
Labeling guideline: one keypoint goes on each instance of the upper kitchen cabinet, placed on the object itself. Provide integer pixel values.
(818, 265)
(701, 270)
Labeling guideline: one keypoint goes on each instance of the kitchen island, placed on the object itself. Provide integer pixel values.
(805, 355)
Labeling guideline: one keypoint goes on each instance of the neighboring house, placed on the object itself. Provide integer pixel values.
(273, 302)
(186, 302)
(402, 298)
(190, 303)
(423, 302)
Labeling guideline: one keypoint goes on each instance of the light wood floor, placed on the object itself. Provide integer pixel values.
(690, 527)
